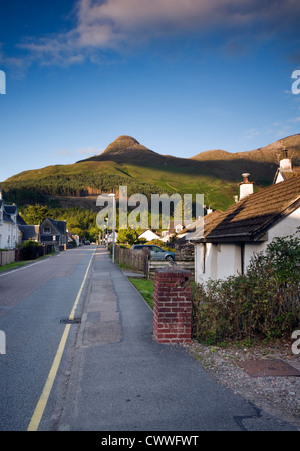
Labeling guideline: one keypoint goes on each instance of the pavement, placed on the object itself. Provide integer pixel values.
(117, 378)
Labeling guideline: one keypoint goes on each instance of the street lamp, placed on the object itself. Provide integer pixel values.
(106, 244)
(114, 224)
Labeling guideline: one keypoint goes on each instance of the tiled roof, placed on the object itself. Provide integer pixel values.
(250, 218)
(10, 209)
(7, 218)
(288, 174)
(195, 230)
(30, 232)
(59, 225)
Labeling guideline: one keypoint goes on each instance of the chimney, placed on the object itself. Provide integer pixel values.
(246, 187)
(286, 162)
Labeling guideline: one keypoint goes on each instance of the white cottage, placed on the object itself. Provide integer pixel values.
(148, 235)
(231, 238)
(9, 230)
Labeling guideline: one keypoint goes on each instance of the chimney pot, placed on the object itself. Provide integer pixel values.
(246, 187)
(246, 176)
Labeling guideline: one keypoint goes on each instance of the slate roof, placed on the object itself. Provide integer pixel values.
(20, 220)
(6, 212)
(250, 219)
(7, 218)
(30, 232)
(253, 216)
(10, 209)
(59, 225)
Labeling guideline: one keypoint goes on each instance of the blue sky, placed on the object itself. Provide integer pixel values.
(180, 76)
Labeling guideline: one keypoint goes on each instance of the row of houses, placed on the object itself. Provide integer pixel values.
(14, 230)
(229, 239)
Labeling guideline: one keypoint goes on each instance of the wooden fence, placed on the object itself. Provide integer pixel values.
(7, 257)
(139, 261)
(159, 264)
(134, 259)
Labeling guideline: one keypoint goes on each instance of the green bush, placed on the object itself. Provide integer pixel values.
(262, 304)
(30, 250)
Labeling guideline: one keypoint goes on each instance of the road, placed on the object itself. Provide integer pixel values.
(33, 301)
(105, 373)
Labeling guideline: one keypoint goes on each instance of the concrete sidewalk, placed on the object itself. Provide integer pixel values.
(121, 380)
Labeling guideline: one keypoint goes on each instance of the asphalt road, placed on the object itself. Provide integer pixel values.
(33, 301)
(112, 375)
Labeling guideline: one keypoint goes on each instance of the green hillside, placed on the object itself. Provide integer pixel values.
(216, 174)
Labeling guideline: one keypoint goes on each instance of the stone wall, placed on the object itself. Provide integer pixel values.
(185, 251)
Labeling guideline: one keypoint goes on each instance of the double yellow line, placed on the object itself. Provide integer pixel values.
(41, 405)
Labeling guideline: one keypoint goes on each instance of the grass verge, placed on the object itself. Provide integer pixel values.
(145, 287)
(24, 262)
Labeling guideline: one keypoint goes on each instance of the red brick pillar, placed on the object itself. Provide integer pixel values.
(172, 312)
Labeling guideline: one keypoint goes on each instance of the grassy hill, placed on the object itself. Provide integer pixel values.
(215, 173)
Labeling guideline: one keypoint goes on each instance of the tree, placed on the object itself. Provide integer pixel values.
(129, 236)
(35, 214)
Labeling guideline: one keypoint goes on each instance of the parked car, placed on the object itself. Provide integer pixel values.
(156, 252)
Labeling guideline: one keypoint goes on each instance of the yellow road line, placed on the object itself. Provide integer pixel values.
(41, 405)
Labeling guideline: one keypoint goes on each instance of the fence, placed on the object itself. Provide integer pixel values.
(139, 261)
(7, 257)
(154, 265)
(136, 260)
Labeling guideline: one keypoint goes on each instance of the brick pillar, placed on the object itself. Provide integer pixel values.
(172, 312)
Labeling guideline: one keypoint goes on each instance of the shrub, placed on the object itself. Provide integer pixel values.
(30, 250)
(263, 303)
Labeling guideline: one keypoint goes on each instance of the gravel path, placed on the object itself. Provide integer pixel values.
(278, 396)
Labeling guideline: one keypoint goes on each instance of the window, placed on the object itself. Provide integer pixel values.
(47, 230)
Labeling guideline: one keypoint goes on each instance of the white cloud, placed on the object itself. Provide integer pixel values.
(252, 133)
(115, 24)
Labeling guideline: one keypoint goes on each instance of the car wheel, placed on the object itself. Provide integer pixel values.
(169, 257)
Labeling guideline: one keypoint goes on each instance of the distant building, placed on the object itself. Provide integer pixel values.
(49, 232)
(10, 220)
(148, 235)
(53, 232)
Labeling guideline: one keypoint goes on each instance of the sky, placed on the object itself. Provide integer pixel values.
(180, 76)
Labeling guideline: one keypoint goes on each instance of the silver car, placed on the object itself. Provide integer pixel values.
(156, 252)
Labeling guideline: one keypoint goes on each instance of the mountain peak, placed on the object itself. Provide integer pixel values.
(124, 143)
(125, 149)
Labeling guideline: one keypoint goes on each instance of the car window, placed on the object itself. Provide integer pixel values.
(157, 249)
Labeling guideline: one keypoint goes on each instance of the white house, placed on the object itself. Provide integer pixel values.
(231, 238)
(148, 235)
(9, 230)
